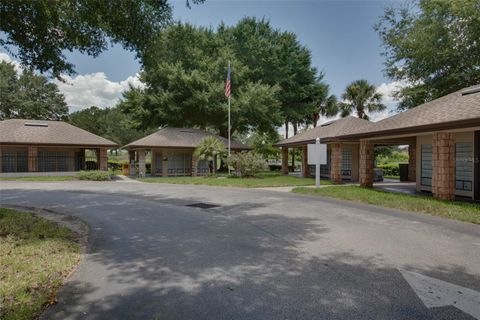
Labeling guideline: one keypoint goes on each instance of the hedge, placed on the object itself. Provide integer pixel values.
(94, 175)
(390, 169)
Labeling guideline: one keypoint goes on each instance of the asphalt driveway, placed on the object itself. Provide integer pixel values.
(256, 255)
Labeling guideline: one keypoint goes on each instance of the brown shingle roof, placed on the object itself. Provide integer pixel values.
(459, 108)
(331, 129)
(179, 138)
(21, 131)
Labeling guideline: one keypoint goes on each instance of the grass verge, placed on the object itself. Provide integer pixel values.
(450, 209)
(263, 180)
(41, 178)
(36, 255)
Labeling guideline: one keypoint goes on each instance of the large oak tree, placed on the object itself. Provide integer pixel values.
(433, 46)
(39, 32)
(184, 75)
(27, 95)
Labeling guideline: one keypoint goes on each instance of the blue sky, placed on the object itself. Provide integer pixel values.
(339, 34)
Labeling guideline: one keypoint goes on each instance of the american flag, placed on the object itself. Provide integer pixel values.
(227, 83)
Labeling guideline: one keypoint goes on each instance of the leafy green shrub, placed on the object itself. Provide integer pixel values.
(247, 164)
(389, 169)
(94, 175)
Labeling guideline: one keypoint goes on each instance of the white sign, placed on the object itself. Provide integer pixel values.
(317, 154)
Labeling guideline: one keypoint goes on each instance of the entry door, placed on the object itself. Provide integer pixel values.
(476, 172)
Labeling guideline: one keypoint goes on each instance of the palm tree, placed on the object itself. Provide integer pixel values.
(361, 97)
(325, 105)
(208, 149)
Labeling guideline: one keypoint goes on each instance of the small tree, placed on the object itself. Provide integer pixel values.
(247, 164)
(208, 149)
(360, 97)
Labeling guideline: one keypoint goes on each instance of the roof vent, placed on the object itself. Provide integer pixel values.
(472, 90)
(36, 124)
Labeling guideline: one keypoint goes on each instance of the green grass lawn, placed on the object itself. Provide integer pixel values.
(392, 177)
(41, 178)
(453, 210)
(36, 256)
(267, 179)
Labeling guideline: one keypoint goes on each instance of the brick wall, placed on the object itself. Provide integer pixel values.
(366, 164)
(141, 163)
(336, 163)
(102, 159)
(443, 166)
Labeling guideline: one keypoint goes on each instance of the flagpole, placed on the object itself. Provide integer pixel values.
(229, 123)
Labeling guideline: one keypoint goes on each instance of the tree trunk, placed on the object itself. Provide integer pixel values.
(295, 128)
(360, 113)
(293, 159)
(286, 129)
(315, 118)
(210, 166)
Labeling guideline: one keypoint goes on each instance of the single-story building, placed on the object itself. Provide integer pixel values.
(29, 147)
(172, 151)
(443, 136)
(348, 169)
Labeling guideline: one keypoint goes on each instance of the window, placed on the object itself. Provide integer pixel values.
(52, 161)
(464, 166)
(158, 162)
(14, 161)
(179, 164)
(426, 165)
(325, 168)
(346, 162)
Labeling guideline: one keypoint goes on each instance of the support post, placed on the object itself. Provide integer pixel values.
(285, 160)
(194, 166)
(336, 163)
(141, 163)
(412, 162)
(366, 164)
(102, 159)
(443, 166)
(32, 159)
(305, 168)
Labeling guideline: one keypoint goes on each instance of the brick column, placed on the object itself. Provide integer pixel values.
(102, 159)
(412, 162)
(141, 163)
(284, 160)
(194, 166)
(32, 159)
(366, 164)
(443, 166)
(305, 168)
(336, 163)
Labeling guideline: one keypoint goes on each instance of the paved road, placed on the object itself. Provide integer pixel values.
(258, 255)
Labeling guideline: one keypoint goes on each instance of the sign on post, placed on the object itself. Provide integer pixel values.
(317, 155)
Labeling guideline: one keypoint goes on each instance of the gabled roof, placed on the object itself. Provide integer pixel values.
(458, 109)
(179, 138)
(330, 129)
(42, 132)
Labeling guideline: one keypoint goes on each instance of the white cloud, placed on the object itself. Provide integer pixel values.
(83, 91)
(388, 90)
(95, 89)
